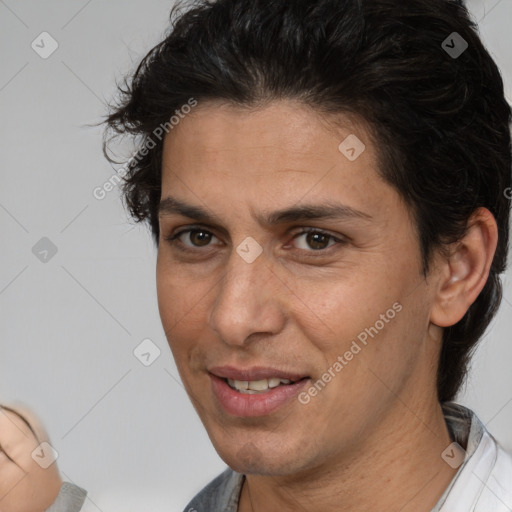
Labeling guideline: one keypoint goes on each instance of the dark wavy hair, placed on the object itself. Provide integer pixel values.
(440, 122)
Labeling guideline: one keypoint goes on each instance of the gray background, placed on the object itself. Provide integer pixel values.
(69, 326)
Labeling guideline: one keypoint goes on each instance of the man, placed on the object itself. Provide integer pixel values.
(326, 182)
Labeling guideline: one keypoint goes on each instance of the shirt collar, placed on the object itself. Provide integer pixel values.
(470, 434)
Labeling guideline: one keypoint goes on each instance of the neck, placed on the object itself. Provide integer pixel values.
(397, 468)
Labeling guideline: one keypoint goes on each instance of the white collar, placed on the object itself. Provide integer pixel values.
(483, 483)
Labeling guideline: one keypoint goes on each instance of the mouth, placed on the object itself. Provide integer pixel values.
(256, 391)
(254, 387)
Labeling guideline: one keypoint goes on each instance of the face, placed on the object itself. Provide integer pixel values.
(284, 255)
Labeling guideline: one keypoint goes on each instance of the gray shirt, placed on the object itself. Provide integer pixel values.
(70, 499)
(483, 482)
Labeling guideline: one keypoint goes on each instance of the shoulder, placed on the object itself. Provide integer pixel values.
(222, 493)
(70, 499)
(491, 475)
(500, 479)
(483, 482)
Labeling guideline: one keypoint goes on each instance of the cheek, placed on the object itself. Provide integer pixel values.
(338, 312)
(379, 352)
(183, 305)
(179, 295)
(373, 323)
(173, 303)
(167, 294)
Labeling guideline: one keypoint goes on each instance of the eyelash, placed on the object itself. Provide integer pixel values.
(174, 240)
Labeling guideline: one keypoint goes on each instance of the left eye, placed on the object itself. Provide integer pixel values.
(316, 240)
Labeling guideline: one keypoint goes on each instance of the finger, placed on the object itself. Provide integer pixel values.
(22, 415)
(32, 419)
(6, 455)
(17, 437)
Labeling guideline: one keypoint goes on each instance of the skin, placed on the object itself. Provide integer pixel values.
(24, 485)
(376, 431)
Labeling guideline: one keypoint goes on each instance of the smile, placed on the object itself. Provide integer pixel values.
(257, 386)
(252, 398)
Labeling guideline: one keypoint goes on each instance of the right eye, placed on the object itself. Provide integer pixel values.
(197, 237)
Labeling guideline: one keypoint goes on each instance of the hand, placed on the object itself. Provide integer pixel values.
(24, 485)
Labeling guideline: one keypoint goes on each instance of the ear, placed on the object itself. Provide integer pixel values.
(463, 273)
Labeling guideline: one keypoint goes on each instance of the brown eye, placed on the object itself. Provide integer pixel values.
(199, 238)
(189, 239)
(315, 240)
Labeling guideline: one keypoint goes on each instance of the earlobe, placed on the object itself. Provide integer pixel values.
(465, 270)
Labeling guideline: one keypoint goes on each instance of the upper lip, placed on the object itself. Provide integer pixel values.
(254, 373)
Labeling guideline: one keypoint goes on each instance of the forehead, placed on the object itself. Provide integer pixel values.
(281, 154)
(288, 123)
(231, 137)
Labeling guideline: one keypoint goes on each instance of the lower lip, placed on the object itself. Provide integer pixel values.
(258, 404)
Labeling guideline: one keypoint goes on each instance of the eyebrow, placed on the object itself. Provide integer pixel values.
(173, 206)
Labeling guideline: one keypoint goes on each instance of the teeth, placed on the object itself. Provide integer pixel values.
(239, 384)
(258, 385)
(274, 382)
(254, 386)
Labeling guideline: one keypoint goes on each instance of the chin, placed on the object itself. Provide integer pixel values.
(248, 457)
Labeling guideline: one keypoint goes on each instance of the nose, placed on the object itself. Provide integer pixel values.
(249, 301)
